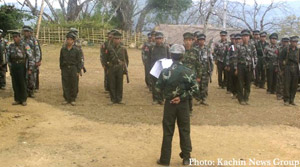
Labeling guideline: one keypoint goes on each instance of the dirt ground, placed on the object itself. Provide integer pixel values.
(94, 134)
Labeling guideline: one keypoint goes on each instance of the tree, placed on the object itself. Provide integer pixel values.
(290, 26)
(12, 17)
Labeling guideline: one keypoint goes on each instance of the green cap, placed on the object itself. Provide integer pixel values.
(159, 35)
(263, 34)
(71, 35)
(238, 36)
(255, 32)
(245, 32)
(15, 33)
(117, 34)
(27, 28)
(232, 35)
(223, 33)
(188, 35)
(201, 36)
(273, 36)
(285, 38)
(294, 39)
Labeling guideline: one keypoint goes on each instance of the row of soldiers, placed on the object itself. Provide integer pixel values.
(240, 62)
(24, 57)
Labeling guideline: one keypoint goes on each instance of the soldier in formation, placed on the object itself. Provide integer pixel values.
(3, 61)
(21, 64)
(146, 59)
(36, 53)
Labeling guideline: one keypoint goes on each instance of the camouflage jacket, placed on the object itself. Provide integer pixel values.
(35, 47)
(146, 52)
(271, 55)
(220, 50)
(104, 51)
(3, 50)
(177, 81)
(230, 55)
(158, 52)
(70, 57)
(205, 59)
(260, 47)
(246, 54)
(20, 53)
(290, 57)
(117, 55)
(191, 60)
(254, 41)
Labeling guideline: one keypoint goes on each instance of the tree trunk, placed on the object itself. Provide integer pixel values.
(141, 20)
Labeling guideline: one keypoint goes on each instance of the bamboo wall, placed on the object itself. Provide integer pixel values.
(92, 36)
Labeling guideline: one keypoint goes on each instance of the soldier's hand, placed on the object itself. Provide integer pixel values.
(236, 72)
(198, 80)
(176, 100)
(38, 63)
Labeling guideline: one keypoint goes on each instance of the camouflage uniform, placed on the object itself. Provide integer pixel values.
(290, 59)
(3, 62)
(36, 53)
(220, 51)
(271, 57)
(104, 53)
(176, 81)
(260, 78)
(20, 60)
(279, 85)
(246, 56)
(146, 60)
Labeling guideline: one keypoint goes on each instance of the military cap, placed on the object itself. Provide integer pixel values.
(232, 35)
(263, 34)
(238, 36)
(117, 34)
(285, 38)
(27, 28)
(149, 35)
(223, 32)
(188, 35)
(255, 32)
(73, 30)
(196, 33)
(294, 39)
(177, 49)
(273, 36)
(159, 35)
(71, 35)
(153, 32)
(245, 32)
(15, 33)
(201, 36)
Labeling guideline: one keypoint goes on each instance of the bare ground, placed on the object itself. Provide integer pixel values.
(93, 134)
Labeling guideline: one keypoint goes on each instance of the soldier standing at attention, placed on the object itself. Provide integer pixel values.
(227, 67)
(272, 55)
(116, 61)
(279, 87)
(103, 54)
(21, 63)
(191, 60)
(196, 33)
(260, 78)
(3, 62)
(290, 58)
(245, 65)
(220, 51)
(36, 53)
(256, 37)
(157, 52)
(70, 64)
(176, 84)
(205, 59)
(145, 58)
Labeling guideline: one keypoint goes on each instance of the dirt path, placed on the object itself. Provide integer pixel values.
(92, 134)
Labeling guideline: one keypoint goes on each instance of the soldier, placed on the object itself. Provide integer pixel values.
(290, 58)
(279, 86)
(157, 52)
(21, 64)
(36, 53)
(220, 51)
(116, 62)
(104, 53)
(3, 62)
(244, 67)
(260, 78)
(191, 60)
(70, 64)
(232, 78)
(205, 59)
(176, 84)
(196, 33)
(146, 57)
(271, 57)
(256, 37)
(227, 66)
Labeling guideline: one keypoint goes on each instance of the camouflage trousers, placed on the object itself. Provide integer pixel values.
(3, 70)
(260, 73)
(279, 86)
(203, 86)
(31, 80)
(271, 79)
(291, 75)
